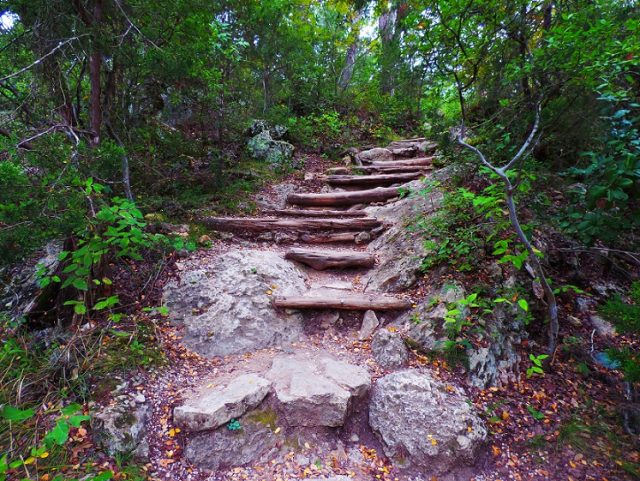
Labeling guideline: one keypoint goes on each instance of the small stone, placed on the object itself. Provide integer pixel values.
(225, 235)
(204, 239)
(266, 236)
(328, 318)
(574, 321)
(602, 327)
(362, 237)
(354, 438)
(369, 324)
(139, 398)
(388, 349)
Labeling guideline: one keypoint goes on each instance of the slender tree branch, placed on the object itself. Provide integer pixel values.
(502, 172)
(51, 52)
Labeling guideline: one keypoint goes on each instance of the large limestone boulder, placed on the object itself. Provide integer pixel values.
(400, 251)
(375, 155)
(265, 144)
(214, 407)
(226, 308)
(425, 423)
(316, 390)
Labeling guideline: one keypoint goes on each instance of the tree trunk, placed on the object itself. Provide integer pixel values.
(95, 68)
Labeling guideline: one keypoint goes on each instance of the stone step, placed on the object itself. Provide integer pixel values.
(337, 299)
(324, 259)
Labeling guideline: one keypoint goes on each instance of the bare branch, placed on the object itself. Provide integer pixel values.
(51, 52)
(528, 143)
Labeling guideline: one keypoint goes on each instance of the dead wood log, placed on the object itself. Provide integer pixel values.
(317, 213)
(322, 259)
(369, 180)
(329, 237)
(379, 194)
(378, 169)
(403, 163)
(294, 225)
(342, 300)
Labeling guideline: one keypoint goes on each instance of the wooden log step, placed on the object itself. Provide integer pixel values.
(378, 169)
(336, 299)
(324, 259)
(329, 237)
(368, 180)
(404, 162)
(379, 194)
(294, 225)
(317, 213)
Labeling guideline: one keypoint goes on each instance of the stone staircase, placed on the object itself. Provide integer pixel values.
(338, 217)
(289, 385)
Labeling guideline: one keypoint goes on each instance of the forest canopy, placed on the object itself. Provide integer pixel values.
(136, 93)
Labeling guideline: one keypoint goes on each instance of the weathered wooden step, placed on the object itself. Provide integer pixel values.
(379, 194)
(403, 163)
(317, 213)
(294, 225)
(378, 169)
(324, 259)
(336, 299)
(369, 180)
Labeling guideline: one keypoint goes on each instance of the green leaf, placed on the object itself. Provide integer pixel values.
(59, 434)
(104, 476)
(524, 305)
(11, 413)
(80, 284)
(71, 409)
(76, 421)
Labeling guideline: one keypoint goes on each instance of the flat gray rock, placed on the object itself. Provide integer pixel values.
(424, 422)
(225, 305)
(370, 323)
(224, 448)
(316, 390)
(217, 406)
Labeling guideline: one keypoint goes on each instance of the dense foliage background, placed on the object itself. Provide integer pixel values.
(165, 89)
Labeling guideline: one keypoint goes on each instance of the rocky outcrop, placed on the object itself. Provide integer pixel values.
(400, 252)
(492, 359)
(225, 305)
(389, 350)
(215, 407)
(425, 423)
(265, 144)
(316, 390)
(19, 287)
